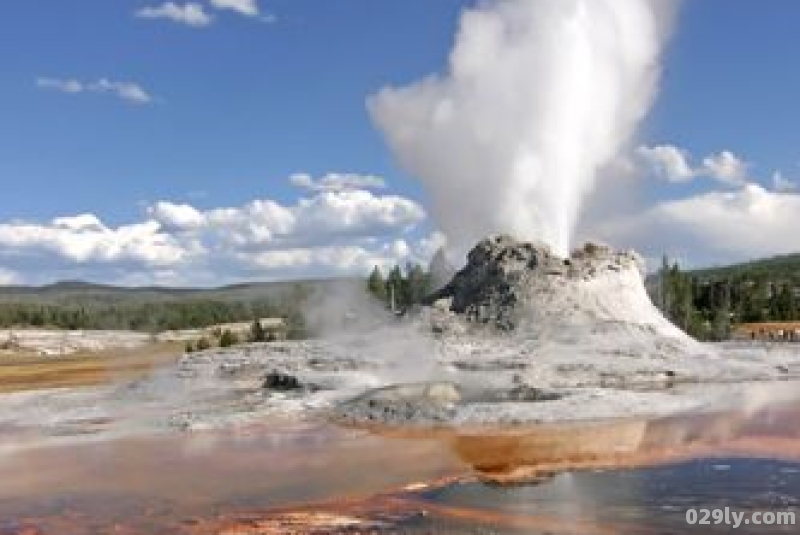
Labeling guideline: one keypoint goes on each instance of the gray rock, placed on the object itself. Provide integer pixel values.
(502, 273)
(281, 382)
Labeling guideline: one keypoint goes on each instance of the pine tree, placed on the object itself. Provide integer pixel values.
(664, 285)
(394, 287)
(722, 315)
(376, 285)
(417, 285)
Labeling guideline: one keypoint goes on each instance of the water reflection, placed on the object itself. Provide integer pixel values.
(158, 484)
(515, 455)
(620, 477)
(643, 500)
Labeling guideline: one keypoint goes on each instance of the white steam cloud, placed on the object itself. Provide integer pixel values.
(539, 96)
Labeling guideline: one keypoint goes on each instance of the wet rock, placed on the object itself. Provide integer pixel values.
(486, 289)
(490, 366)
(281, 382)
(531, 394)
(521, 393)
(422, 403)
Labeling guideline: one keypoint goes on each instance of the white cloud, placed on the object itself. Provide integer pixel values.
(328, 216)
(667, 161)
(125, 90)
(356, 212)
(337, 182)
(736, 217)
(244, 7)
(675, 165)
(781, 184)
(347, 258)
(84, 239)
(7, 277)
(725, 167)
(714, 227)
(82, 222)
(128, 91)
(191, 14)
(65, 86)
(328, 233)
(269, 18)
(176, 216)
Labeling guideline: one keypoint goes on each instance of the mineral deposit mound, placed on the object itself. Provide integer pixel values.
(524, 335)
(523, 287)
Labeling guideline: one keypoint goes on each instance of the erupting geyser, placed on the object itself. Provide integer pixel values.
(540, 95)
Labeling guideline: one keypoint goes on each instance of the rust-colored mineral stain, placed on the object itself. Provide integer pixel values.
(32, 372)
(314, 478)
(506, 455)
(152, 485)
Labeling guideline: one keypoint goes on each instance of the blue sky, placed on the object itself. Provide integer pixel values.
(230, 108)
(730, 81)
(239, 105)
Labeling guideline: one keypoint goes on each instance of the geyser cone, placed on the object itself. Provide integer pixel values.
(518, 285)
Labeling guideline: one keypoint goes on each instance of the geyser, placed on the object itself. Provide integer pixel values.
(540, 95)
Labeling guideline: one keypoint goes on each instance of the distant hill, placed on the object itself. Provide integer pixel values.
(82, 305)
(80, 292)
(708, 302)
(776, 268)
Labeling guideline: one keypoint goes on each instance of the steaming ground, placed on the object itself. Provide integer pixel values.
(519, 336)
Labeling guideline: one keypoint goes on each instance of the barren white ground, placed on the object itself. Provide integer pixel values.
(587, 371)
(589, 345)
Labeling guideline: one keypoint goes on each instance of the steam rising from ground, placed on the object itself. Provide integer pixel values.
(540, 95)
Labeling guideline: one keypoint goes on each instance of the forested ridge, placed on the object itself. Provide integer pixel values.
(77, 305)
(708, 303)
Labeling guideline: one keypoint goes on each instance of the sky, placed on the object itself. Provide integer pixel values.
(215, 141)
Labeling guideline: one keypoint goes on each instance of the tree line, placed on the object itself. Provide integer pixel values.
(152, 317)
(399, 290)
(403, 289)
(707, 304)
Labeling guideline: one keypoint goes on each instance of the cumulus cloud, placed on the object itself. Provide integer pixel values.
(85, 239)
(349, 258)
(725, 167)
(337, 182)
(176, 216)
(248, 8)
(713, 227)
(7, 277)
(329, 216)
(782, 184)
(675, 165)
(330, 232)
(191, 14)
(734, 217)
(128, 91)
(667, 162)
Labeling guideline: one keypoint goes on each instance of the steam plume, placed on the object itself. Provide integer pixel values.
(539, 96)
